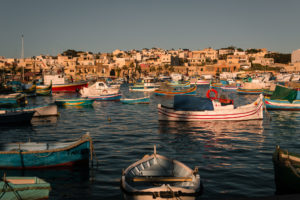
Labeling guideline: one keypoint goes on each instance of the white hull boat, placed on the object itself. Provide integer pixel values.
(251, 111)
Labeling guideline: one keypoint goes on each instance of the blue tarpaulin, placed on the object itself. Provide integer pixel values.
(192, 103)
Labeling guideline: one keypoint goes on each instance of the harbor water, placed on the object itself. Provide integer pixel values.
(234, 158)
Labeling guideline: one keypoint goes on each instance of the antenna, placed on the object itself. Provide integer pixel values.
(22, 56)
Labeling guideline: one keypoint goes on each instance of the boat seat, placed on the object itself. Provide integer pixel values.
(161, 179)
(156, 172)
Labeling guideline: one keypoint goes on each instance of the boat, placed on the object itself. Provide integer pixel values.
(164, 91)
(192, 108)
(286, 171)
(15, 117)
(229, 87)
(29, 89)
(44, 90)
(107, 97)
(249, 91)
(59, 84)
(25, 188)
(199, 81)
(148, 84)
(74, 102)
(34, 155)
(156, 176)
(12, 100)
(283, 98)
(142, 100)
(180, 84)
(99, 88)
(40, 110)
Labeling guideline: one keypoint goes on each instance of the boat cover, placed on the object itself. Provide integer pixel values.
(284, 93)
(192, 103)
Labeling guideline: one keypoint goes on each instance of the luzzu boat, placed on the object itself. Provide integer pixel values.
(33, 188)
(175, 92)
(283, 99)
(156, 176)
(33, 155)
(182, 84)
(40, 110)
(74, 102)
(142, 100)
(44, 90)
(191, 108)
(287, 171)
(107, 97)
(149, 84)
(249, 91)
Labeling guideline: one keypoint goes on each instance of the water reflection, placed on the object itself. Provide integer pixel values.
(149, 197)
(37, 121)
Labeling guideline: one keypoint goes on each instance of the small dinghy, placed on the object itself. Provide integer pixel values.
(24, 188)
(157, 176)
(74, 102)
(142, 100)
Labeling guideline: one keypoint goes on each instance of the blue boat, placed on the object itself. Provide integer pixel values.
(142, 100)
(33, 155)
(12, 100)
(74, 102)
(283, 99)
(108, 97)
(33, 188)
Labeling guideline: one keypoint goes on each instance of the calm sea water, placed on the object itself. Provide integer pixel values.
(234, 158)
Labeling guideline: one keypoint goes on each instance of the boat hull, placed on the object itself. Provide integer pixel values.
(136, 101)
(18, 117)
(190, 91)
(287, 179)
(34, 189)
(74, 102)
(73, 87)
(112, 97)
(282, 104)
(40, 111)
(75, 154)
(249, 91)
(248, 112)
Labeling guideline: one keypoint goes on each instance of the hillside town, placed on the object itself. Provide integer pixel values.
(133, 64)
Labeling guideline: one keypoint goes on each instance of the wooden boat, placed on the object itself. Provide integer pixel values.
(44, 90)
(15, 117)
(29, 89)
(33, 155)
(203, 109)
(12, 100)
(287, 171)
(249, 91)
(32, 188)
(174, 92)
(283, 98)
(180, 84)
(74, 102)
(159, 177)
(40, 111)
(99, 89)
(142, 100)
(109, 97)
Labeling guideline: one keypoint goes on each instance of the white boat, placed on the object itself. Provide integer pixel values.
(216, 111)
(159, 177)
(99, 88)
(148, 84)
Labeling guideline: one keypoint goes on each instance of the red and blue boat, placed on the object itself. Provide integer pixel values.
(33, 155)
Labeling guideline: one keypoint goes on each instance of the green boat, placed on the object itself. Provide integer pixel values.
(287, 171)
(25, 188)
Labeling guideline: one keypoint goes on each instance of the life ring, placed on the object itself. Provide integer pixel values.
(208, 94)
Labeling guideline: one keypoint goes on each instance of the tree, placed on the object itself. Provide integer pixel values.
(252, 51)
(279, 57)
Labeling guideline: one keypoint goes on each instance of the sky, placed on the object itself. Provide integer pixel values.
(53, 26)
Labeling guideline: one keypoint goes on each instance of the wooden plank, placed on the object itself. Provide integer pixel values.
(161, 179)
(21, 181)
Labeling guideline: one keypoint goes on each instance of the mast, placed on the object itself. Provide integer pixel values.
(22, 56)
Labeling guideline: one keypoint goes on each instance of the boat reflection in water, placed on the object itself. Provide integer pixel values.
(36, 121)
(144, 197)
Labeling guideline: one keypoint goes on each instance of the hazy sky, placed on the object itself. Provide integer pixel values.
(52, 26)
